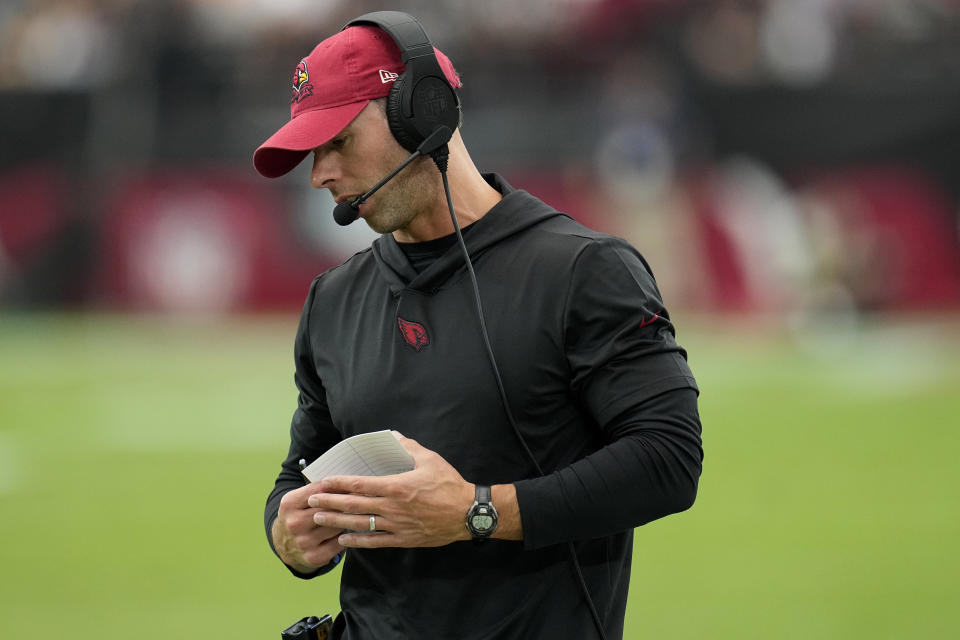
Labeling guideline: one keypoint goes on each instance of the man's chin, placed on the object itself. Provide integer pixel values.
(379, 226)
(382, 222)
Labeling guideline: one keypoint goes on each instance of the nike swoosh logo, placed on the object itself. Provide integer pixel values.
(655, 317)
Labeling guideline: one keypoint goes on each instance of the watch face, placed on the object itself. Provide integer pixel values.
(482, 522)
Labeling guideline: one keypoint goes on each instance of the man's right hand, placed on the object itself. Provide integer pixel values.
(299, 542)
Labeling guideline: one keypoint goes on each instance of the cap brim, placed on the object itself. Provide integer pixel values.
(293, 142)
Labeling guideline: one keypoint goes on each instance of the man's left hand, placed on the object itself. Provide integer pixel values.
(425, 507)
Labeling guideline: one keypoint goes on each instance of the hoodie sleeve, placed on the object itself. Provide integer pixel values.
(632, 377)
(311, 431)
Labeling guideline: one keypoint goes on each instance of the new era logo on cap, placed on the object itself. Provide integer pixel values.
(388, 76)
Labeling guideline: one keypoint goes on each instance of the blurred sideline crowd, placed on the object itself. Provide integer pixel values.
(777, 156)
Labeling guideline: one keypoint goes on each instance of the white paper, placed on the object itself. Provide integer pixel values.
(378, 453)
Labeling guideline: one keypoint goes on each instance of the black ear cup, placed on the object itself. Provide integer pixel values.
(434, 104)
(401, 127)
(421, 101)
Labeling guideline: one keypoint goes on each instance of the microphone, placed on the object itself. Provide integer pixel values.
(346, 212)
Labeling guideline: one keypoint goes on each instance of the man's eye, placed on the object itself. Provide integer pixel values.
(337, 143)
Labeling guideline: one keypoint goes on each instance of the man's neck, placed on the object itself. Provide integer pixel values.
(472, 198)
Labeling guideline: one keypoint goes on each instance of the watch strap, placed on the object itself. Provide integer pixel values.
(483, 494)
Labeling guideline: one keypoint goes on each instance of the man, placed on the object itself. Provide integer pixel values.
(594, 432)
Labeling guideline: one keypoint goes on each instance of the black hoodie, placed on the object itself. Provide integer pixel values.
(599, 388)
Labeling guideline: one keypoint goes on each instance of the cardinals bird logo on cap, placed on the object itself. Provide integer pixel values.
(301, 82)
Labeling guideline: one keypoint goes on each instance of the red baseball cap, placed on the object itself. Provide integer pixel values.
(331, 86)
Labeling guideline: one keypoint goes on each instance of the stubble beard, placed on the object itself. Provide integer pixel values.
(402, 201)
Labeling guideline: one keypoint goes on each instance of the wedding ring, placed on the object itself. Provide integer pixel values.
(373, 523)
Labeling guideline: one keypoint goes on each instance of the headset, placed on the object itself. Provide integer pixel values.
(421, 99)
(423, 110)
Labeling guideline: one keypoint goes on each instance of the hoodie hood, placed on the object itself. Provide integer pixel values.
(517, 211)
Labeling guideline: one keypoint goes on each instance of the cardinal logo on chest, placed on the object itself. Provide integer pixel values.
(414, 334)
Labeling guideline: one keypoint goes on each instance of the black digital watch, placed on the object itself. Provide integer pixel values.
(482, 518)
(309, 628)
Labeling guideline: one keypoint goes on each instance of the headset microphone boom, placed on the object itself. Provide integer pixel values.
(346, 212)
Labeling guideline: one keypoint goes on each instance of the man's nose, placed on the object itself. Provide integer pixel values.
(325, 172)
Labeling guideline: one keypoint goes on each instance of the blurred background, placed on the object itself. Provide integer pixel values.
(790, 168)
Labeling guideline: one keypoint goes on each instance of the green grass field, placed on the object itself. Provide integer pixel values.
(135, 455)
